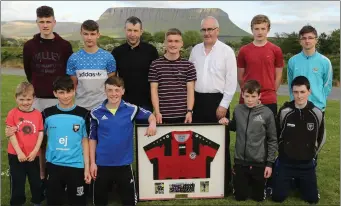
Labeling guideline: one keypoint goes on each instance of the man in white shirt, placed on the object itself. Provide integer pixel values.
(216, 66)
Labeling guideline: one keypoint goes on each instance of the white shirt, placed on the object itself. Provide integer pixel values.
(216, 71)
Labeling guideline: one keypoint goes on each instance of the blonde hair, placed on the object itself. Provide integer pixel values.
(24, 88)
(259, 19)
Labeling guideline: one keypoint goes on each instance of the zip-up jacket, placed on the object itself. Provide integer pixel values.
(300, 132)
(44, 61)
(256, 140)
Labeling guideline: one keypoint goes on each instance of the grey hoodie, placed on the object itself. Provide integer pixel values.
(256, 137)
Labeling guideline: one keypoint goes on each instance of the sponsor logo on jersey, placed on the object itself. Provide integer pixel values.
(76, 127)
(90, 74)
(291, 125)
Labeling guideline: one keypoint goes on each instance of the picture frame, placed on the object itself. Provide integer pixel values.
(182, 161)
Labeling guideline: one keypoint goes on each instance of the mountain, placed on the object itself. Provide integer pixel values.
(153, 19)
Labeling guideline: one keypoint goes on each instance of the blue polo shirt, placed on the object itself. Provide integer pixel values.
(115, 133)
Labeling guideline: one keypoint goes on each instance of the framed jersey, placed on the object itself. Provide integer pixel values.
(181, 161)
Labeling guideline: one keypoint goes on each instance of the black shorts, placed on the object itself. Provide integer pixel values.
(60, 176)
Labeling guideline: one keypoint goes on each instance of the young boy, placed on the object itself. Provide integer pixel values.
(23, 146)
(90, 67)
(67, 151)
(256, 143)
(111, 143)
(301, 136)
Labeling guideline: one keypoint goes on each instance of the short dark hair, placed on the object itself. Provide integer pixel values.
(307, 29)
(300, 81)
(134, 20)
(45, 11)
(64, 83)
(173, 31)
(90, 25)
(252, 86)
(115, 81)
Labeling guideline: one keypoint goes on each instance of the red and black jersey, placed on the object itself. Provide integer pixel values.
(181, 155)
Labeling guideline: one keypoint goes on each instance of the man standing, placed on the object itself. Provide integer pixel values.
(90, 67)
(216, 67)
(133, 61)
(45, 57)
(262, 61)
(172, 83)
(313, 65)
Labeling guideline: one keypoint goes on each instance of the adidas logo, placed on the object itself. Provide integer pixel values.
(258, 118)
(104, 117)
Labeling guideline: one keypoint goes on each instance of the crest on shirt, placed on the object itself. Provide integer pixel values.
(310, 126)
(76, 127)
(315, 69)
(192, 155)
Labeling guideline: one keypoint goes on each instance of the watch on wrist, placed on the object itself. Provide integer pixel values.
(189, 110)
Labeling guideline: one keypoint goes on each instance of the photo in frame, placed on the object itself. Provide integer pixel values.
(182, 161)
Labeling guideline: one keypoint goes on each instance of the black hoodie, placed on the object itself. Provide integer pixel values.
(44, 61)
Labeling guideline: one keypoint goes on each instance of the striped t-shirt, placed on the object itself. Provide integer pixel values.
(172, 78)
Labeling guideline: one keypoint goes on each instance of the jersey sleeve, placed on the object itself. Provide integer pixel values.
(40, 122)
(209, 147)
(10, 119)
(71, 66)
(111, 64)
(241, 59)
(153, 149)
(85, 126)
(142, 114)
(152, 76)
(290, 77)
(279, 60)
(191, 74)
(93, 127)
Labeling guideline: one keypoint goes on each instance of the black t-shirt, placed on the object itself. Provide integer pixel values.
(133, 66)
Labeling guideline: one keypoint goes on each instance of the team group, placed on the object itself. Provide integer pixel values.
(82, 147)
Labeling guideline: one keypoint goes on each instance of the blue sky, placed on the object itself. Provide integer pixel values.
(285, 16)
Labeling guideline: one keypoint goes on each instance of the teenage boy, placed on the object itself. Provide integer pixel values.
(90, 67)
(301, 136)
(172, 81)
(256, 143)
(313, 65)
(262, 61)
(45, 57)
(67, 152)
(111, 143)
(23, 146)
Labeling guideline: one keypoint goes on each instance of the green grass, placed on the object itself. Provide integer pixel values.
(328, 170)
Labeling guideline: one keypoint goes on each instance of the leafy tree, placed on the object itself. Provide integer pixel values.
(191, 38)
(2, 40)
(290, 43)
(147, 36)
(159, 36)
(246, 40)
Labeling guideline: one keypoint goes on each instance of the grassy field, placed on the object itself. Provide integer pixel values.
(328, 170)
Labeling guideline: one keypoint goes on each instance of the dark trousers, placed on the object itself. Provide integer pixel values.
(204, 111)
(272, 107)
(248, 176)
(173, 120)
(304, 173)
(123, 177)
(18, 172)
(60, 177)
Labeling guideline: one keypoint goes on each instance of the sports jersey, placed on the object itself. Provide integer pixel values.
(91, 71)
(114, 133)
(65, 129)
(181, 155)
(318, 69)
(28, 124)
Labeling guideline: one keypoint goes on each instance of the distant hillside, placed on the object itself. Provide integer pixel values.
(153, 19)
